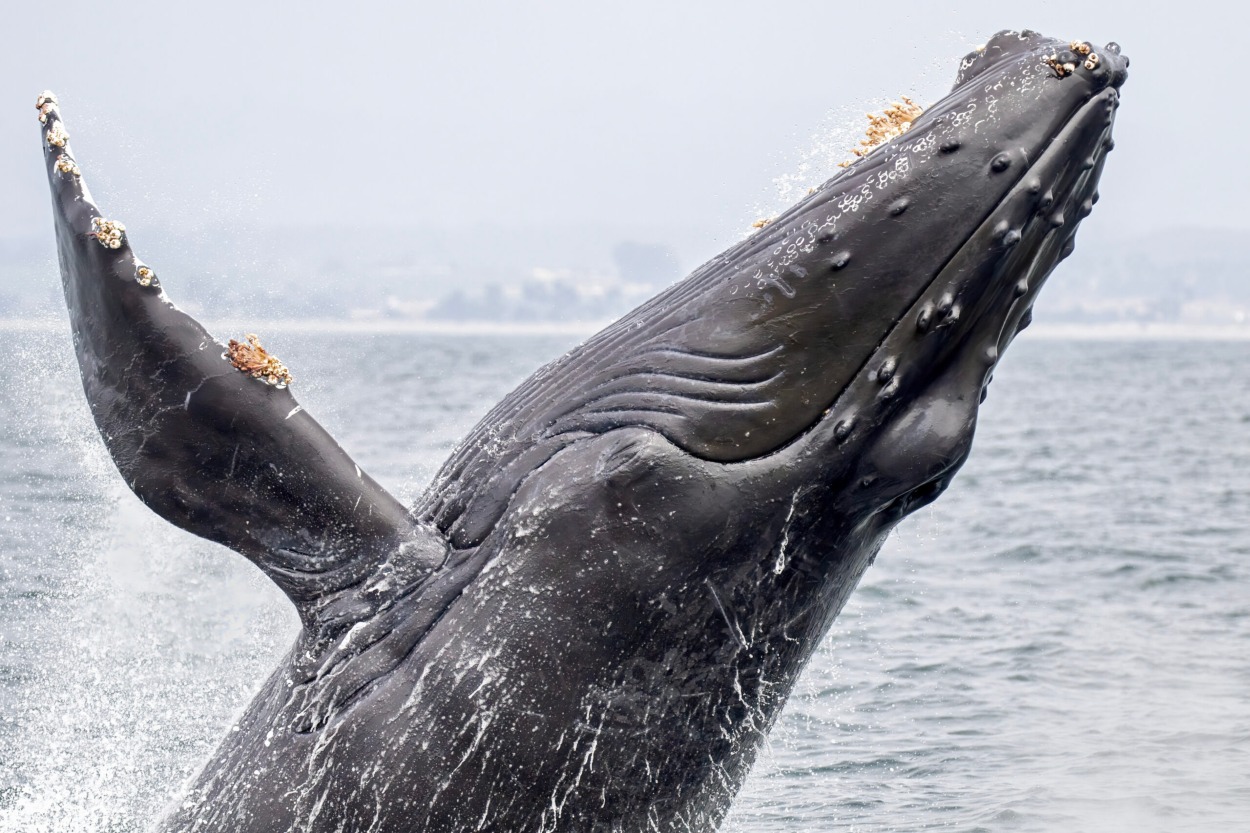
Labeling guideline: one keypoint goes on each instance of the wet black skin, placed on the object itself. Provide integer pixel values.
(593, 616)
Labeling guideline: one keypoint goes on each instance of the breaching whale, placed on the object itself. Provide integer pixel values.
(593, 615)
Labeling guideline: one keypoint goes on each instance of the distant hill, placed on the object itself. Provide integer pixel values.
(1192, 276)
(1195, 276)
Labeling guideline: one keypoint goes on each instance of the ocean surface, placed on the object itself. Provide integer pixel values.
(1060, 643)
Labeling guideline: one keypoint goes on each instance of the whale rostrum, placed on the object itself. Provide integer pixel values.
(593, 615)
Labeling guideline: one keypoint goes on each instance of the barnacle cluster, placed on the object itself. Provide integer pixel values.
(1065, 64)
(254, 360)
(46, 104)
(108, 232)
(56, 135)
(145, 276)
(67, 165)
(891, 122)
(1061, 70)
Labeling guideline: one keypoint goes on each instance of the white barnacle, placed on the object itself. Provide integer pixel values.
(45, 97)
(66, 165)
(145, 276)
(108, 232)
(1062, 70)
(56, 135)
(1092, 61)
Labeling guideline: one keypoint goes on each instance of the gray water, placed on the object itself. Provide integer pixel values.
(1060, 643)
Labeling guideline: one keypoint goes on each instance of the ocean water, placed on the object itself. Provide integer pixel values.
(1059, 643)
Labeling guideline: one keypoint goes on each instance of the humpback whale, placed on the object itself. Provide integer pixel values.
(592, 617)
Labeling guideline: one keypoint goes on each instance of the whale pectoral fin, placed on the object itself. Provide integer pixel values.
(216, 446)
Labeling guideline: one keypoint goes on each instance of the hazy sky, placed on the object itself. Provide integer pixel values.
(658, 114)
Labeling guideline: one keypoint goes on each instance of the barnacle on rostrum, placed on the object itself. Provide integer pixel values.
(892, 122)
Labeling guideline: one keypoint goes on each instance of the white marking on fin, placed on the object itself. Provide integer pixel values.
(295, 411)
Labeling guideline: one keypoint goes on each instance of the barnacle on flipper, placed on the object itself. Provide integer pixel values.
(254, 360)
(145, 276)
(108, 232)
(66, 165)
(56, 135)
(893, 121)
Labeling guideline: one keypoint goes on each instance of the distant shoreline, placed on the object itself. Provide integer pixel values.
(225, 328)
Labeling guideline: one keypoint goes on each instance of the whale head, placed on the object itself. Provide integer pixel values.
(866, 318)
